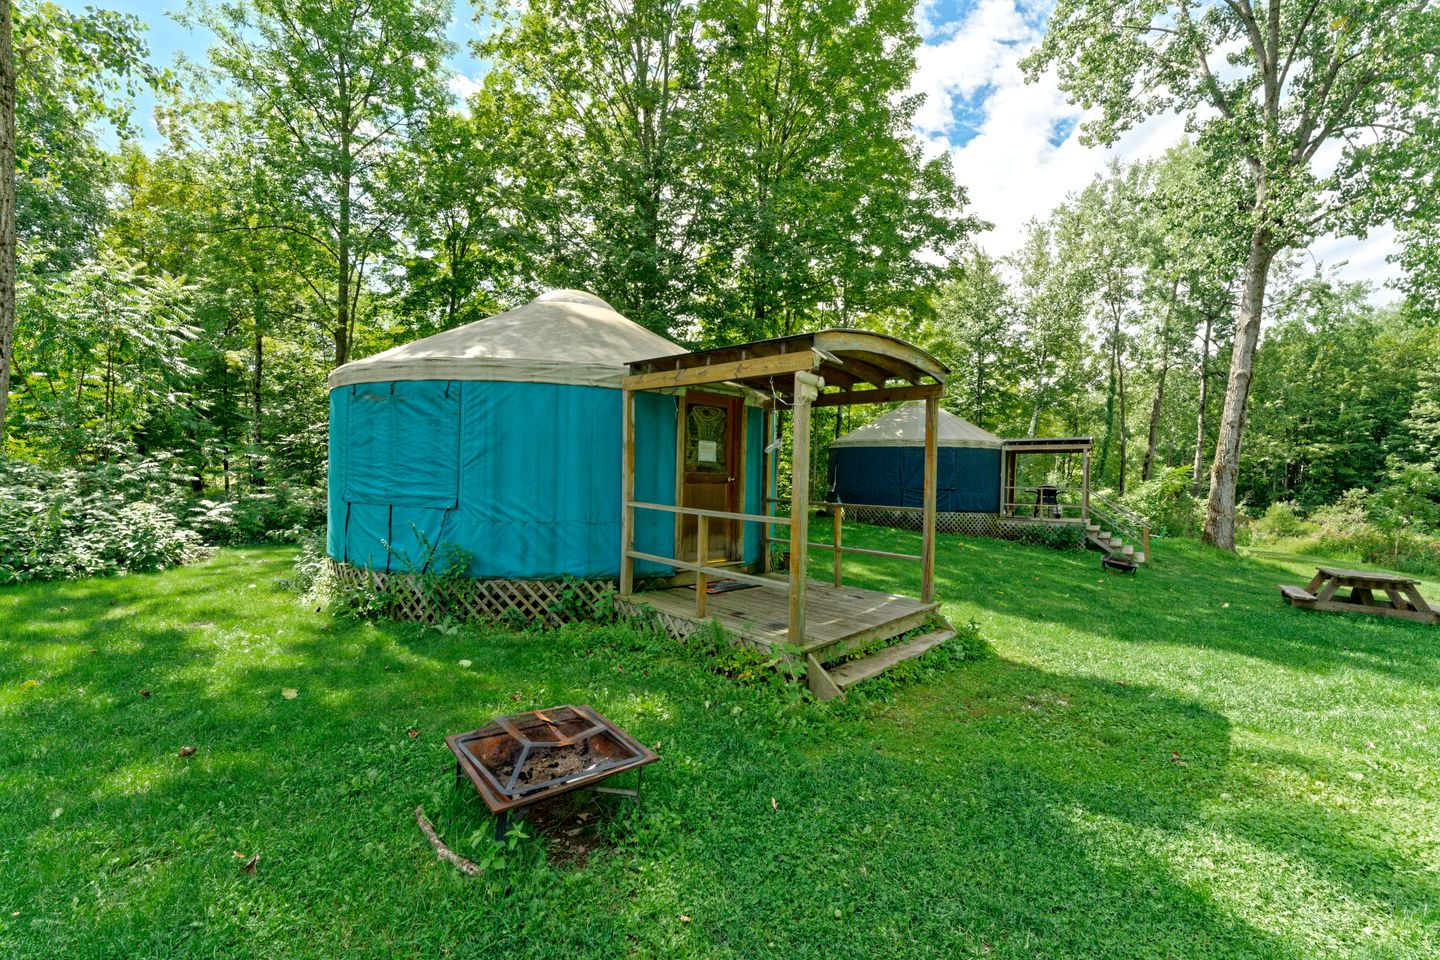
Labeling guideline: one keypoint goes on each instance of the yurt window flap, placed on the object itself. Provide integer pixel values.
(404, 444)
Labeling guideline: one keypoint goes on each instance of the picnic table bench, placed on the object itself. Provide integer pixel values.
(1402, 594)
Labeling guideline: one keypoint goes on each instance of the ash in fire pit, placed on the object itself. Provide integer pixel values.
(519, 760)
(554, 764)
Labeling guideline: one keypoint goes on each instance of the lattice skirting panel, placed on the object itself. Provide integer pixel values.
(551, 602)
(965, 524)
(676, 627)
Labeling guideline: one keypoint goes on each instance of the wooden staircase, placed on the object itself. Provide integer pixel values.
(1111, 544)
(828, 679)
(1117, 531)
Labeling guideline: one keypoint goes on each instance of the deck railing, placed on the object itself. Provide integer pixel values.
(702, 566)
(1122, 520)
(837, 545)
(1072, 510)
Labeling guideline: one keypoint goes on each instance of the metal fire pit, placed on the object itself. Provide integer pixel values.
(520, 760)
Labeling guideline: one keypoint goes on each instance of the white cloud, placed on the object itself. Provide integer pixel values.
(998, 130)
(462, 86)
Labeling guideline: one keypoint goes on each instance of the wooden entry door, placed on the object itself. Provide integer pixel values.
(710, 471)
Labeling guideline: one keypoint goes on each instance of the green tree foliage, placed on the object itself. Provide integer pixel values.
(335, 93)
(820, 206)
(104, 350)
(737, 169)
(607, 94)
(1266, 86)
(972, 332)
(65, 74)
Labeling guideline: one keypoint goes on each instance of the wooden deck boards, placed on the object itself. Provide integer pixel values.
(836, 617)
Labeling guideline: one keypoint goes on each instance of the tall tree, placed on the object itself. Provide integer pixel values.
(1266, 85)
(336, 89)
(971, 334)
(819, 199)
(7, 209)
(1051, 296)
(62, 75)
(606, 90)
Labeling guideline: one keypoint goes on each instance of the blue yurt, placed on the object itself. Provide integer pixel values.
(883, 463)
(500, 442)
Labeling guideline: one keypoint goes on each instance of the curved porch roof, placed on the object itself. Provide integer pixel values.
(858, 366)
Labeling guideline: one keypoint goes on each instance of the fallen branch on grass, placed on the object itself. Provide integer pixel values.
(467, 867)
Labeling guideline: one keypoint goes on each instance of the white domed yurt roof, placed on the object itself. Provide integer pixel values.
(563, 336)
(905, 427)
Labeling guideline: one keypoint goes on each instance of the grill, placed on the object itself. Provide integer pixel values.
(525, 758)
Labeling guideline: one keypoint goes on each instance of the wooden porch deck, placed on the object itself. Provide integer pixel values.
(838, 621)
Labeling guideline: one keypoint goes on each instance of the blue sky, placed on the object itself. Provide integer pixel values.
(1013, 144)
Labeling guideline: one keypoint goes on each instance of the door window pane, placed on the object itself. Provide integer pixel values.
(706, 433)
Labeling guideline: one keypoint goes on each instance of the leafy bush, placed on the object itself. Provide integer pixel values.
(105, 519)
(1167, 502)
(1282, 521)
(1392, 527)
(1059, 536)
(132, 513)
(280, 513)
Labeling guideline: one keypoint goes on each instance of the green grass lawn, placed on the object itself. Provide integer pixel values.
(1168, 765)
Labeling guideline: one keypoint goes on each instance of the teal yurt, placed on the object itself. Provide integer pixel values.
(499, 442)
(883, 463)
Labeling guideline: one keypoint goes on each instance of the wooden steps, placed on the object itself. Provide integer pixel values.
(1112, 545)
(839, 621)
(848, 674)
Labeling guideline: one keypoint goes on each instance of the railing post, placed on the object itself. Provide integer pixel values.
(932, 428)
(1145, 541)
(702, 580)
(839, 517)
(627, 492)
(1085, 487)
(767, 492)
(806, 388)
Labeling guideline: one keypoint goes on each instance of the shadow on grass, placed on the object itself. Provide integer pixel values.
(1191, 596)
(1000, 810)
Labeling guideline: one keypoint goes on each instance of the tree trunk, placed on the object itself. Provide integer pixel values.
(1124, 432)
(1110, 402)
(257, 382)
(341, 333)
(1201, 426)
(7, 211)
(1225, 470)
(1157, 401)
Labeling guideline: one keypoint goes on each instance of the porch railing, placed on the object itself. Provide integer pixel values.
(701, 566)
(1075, 509)
(836, 545)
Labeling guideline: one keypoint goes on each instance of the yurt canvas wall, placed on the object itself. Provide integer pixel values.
(883, 463)
(502, 439)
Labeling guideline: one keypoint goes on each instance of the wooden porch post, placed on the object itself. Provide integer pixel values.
(932, 428)
(806, 390)
(1085, 486)
(627, 492)
(767, 491)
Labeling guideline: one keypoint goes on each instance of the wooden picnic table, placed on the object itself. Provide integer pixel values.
(1402, 594)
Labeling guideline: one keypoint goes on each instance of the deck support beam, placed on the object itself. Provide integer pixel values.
(932, 430)
(807, 388)
(627, 492)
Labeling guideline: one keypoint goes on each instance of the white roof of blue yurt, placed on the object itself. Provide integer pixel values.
(563, 336)
(905, 427)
